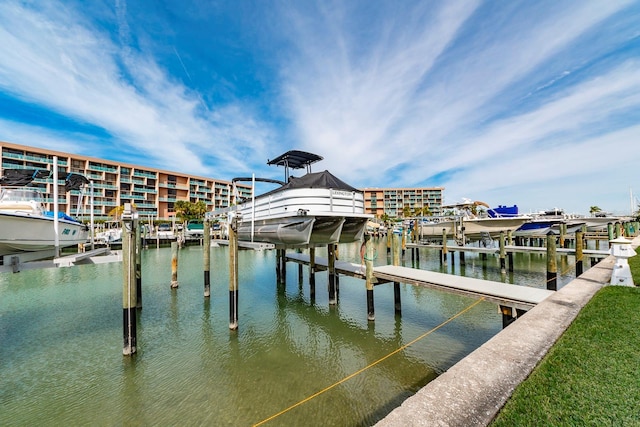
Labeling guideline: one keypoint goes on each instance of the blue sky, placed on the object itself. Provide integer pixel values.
(534, 103)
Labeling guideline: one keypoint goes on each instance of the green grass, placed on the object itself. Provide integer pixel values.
(591, 376)
(634, 264)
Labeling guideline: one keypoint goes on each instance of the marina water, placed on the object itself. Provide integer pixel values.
(291, 362)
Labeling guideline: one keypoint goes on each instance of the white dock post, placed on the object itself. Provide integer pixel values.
(622, 250)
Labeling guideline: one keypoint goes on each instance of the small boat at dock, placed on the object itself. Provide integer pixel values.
(467, 225)
(311, 210)
(25, 224)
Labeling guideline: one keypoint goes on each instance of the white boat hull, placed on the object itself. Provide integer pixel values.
(472, 229)
(28, 233)
(303, 217)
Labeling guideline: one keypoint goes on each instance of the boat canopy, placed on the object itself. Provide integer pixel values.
(324, 179)
(295, 159)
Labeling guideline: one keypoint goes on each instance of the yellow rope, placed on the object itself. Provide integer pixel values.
(370, 365)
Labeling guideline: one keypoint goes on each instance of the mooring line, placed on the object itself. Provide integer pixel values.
(370, 365)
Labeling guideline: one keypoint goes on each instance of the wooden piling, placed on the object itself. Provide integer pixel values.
(336, 253)
(443, 257)
(300, 273)
(174, 264)
(395, 244)
(233, 274)
(278, 267)
(507, 316)
(579, 247)
(368, 262)
(312, 273)
(503, 264)
(206, 258)
(552, 264)
(396, 285)
(332, 274)
(404, 241)
(137, 244)
(128, 284)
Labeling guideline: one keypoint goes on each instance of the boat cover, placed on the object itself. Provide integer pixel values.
(22, 177)
(322, 179)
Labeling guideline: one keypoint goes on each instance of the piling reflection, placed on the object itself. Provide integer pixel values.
(191, 369)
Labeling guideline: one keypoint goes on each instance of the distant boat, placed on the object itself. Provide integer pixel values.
(541, 223)
(195, 228)
(111, 233)
(25, 225)
(600, 221)
(464, 226)
(314, 209)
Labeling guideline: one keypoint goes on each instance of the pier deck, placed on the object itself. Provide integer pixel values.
(520, 297)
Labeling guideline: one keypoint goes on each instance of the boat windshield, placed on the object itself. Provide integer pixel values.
(19, 195)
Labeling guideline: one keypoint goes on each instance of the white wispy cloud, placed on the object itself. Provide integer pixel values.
(53, 57)
(491, 100)
(437, 95)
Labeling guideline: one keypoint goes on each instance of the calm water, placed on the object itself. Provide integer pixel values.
(61, 342)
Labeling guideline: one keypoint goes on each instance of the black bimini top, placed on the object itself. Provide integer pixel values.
(295, 159)
(324, 179)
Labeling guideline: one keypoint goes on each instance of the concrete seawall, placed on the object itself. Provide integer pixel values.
(473, 391)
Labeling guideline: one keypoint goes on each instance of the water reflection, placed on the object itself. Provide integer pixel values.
(61, 341)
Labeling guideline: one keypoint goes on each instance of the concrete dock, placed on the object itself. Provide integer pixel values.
(474, 390)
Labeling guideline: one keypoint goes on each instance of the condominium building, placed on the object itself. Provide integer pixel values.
(394, 202)
(152, 191)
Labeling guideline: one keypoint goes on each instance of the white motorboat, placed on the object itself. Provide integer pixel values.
(312, 210)
(110, 233)
(550, 220)
(466, 226)
(600, 223)
(25, 225)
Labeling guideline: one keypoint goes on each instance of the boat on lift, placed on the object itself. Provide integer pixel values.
(311, 210)
(466, 224)
(25, 224)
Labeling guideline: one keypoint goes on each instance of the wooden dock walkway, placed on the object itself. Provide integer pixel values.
(516, 296)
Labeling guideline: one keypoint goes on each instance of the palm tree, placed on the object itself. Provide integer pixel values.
(594, 210)
(186, 210)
